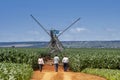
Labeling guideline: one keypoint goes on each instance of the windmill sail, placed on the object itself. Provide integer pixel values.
(39, 24)
(69, 27)
(55, 45)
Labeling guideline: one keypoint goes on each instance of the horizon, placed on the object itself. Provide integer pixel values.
(67, 44)
(61, 41)
(99, 20)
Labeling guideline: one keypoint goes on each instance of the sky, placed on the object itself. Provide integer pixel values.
(99, 20)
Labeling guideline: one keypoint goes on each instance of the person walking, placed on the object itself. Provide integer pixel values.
(65, 62)
(56, 62)
(40, 63)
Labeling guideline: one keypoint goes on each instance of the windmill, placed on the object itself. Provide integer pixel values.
(55, 45)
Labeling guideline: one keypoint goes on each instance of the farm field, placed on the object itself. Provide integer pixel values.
(81, 60)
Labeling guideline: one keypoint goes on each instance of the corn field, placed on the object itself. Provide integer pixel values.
(93, 58)
(21, 55)
(11, 71)
(80, 59)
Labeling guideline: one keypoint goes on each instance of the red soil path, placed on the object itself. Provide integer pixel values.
(49, 74)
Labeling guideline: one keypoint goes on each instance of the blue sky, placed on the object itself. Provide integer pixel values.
(100, 19)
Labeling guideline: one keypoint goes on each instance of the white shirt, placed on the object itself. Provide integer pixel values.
(40, 61)
(65, 60)
(56, 60)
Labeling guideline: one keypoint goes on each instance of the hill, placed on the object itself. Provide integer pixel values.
(67, 44)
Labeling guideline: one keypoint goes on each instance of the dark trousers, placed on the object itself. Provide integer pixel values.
(40, 67)
(56, 67)
(65, 66)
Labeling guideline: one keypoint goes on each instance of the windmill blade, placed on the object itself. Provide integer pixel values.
(40, 25)
(69, 27)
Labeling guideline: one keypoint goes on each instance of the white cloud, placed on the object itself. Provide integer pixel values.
(74, 34)
(77, 30)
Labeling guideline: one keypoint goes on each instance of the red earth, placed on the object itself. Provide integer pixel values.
(48, 73)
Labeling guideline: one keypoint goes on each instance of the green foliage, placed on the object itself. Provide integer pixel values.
(93, 58)
(109, 74)
(11, 71)
(80, 58)
(22, 55)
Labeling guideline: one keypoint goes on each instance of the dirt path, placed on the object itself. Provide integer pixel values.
(49, 74)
